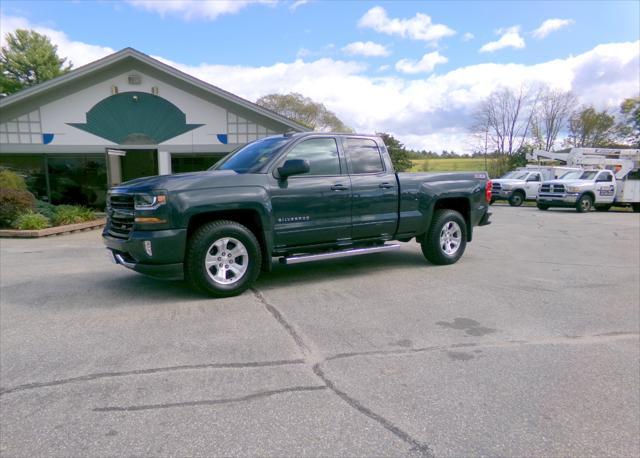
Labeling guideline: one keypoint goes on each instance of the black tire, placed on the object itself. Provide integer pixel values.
(542, 207)
(492, 201)
(602, 208)
(432, 248)
(584, 203)
(202, 243)
(636, 207)
(516, 199)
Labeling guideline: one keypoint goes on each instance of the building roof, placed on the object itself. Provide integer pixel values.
(130, 53)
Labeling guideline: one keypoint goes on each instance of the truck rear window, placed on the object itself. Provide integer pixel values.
(364, 155)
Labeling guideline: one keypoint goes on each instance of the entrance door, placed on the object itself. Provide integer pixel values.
(125, 165)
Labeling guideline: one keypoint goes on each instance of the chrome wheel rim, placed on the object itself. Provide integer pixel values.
(517, 200)
(586, 204)
(450, 238)
(226, 261)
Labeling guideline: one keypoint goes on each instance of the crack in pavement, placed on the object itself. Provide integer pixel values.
(416, 446)
(211, 402)
(101, 375)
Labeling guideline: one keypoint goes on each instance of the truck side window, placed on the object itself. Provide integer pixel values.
(322, 154)
(534, 177)
(605, 177)
(364, 155)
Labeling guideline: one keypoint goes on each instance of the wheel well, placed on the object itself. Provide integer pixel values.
(521, 191)
(462, 206)
(248, 218)
(590, 194)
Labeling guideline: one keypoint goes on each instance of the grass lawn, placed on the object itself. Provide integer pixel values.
(449, 165)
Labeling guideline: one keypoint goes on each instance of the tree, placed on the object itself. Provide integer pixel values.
(399, 154)
(629, 126)
(305, 111)
(504, 118)
(589, 128)
(29, 58)
(550, 117)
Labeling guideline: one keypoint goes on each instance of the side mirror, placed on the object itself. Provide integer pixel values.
(293, 167)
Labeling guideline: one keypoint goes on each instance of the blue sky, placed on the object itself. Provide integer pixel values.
(395, 53)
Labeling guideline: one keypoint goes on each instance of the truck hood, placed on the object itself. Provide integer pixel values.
(507, 181)
(180, 181)
(570, 182)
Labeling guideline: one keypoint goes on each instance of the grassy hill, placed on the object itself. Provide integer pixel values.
(449, 165)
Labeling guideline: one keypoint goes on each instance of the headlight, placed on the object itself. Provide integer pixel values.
(506, 187)
(573, 189)
(149, 201)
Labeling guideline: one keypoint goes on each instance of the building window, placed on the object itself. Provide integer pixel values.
(240, 130)
(31, 168)
(78, 179)
(181, 163)
(23, 130)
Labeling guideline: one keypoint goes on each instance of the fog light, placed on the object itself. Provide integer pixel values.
(147, 248)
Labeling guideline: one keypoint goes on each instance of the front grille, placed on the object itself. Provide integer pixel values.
(121, 215)
(496, 186)
(554, 188)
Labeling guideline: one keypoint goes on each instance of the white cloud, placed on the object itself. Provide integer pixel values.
(195, 9)
(418, 27)
(432, 112)
(366, 48)
(551, 25)
(468, 36)
(78, 52)
(424, 65)
(509, 38)
(297, 4)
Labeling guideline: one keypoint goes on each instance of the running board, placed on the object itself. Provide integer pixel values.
(338, 254)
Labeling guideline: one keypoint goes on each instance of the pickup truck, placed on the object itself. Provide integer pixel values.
(597, 189)
(299, 197)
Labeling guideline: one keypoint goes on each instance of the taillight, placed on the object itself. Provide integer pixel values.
(487, 190)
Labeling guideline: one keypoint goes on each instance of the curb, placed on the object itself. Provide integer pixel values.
(58, 230)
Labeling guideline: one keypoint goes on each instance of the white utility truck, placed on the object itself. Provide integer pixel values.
(613, 179)
(524, 183)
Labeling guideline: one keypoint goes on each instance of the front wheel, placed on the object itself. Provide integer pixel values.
(447, 238)
(584, 203)
(516, 199)
(636, 207)
(223, 258)
(542, 206)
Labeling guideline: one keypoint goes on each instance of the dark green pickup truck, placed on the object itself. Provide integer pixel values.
(299, 197)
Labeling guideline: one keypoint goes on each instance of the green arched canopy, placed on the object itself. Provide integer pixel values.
(135, 118)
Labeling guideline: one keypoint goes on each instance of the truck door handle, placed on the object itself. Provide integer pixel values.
(339, 187)
(386, 185)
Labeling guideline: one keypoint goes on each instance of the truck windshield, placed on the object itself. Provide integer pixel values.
(573, 175)
(589, 175)
(515, 175)
(253, 156)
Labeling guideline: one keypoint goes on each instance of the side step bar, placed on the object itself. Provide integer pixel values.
(338, 254)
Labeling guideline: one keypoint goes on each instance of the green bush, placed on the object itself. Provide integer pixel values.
(72, 214)
(31, 221)
(46, 209)
(14, 202)
(11, 180)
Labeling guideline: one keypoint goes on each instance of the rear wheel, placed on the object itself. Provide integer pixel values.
(636, 207)
(542, 206)
(447, 238)
(492, 201)
(516, 199)
(223, 258)
(584, 203)
(603, 208)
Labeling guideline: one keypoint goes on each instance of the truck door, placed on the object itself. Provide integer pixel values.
(314, 207)
(532, 185)
(374, 207)
(605, 187)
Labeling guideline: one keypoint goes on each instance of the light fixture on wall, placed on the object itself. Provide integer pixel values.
(114, 90)
(155, 90)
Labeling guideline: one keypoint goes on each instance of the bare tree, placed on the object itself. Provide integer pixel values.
(505, 117)
(550, 117)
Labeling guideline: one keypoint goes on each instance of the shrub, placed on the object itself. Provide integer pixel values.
(72, 214)
(11, 180)
(31, 221)
(46, 209)
(14, 202)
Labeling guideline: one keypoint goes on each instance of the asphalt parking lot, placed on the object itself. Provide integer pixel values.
(529, 346)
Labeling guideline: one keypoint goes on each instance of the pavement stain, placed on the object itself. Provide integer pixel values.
(460, 355)
(469, 326)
